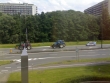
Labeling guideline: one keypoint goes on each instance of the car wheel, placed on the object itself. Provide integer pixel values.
(61, 46)
(64, 45)
(21, 47)
(28, 47)
(53, 47)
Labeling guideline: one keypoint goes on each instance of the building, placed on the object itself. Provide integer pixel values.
(18, 8)
(97, 9)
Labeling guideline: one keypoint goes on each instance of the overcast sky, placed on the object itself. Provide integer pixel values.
(53, 5)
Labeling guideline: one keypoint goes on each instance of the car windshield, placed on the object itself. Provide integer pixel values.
(54, 41)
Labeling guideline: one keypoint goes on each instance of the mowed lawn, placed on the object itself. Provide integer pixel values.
(4, 62)
(65, 75)
(50, 43)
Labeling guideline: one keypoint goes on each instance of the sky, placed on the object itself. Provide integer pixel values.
(54, 5)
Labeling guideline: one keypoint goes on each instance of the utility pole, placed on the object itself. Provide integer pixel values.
(101, 34)
(25, 21)
(26, 34)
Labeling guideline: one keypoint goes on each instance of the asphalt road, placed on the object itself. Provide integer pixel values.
(48, 48)
(97, 53)
(36, 59)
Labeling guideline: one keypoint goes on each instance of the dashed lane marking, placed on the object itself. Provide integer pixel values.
(7, 67)
(4, 70)
(33, 59)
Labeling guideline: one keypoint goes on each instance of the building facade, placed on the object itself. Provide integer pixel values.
(16, 8)
(97, 9)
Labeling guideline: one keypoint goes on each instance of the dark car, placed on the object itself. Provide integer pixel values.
(21, 46)
(58, 44)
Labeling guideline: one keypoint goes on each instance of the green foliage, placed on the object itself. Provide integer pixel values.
(7, 28)
(4, 62)
(48, 27)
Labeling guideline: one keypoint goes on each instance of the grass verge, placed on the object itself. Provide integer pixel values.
(50, 43)
(4, 62)
(66, 62)
(65, 75)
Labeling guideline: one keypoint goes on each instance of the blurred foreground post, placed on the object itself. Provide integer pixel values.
(24, 66)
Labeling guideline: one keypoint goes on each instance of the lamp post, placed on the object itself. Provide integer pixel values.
(26, 35)
(20, 27)
(25, 22)
(101, 34)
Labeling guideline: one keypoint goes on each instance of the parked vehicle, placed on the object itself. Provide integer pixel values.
(91, 43)
(58, 44)
(21, 46)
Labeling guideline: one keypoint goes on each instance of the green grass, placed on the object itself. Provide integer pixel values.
(50, 43)
(66, 62)
(4, 62)
(65, 75)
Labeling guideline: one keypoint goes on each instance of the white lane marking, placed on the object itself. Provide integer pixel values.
(4, 70)
(55, 57)
(14, 59)
(29, 66)
(19, 60)
(35, 59)
(44, 49)
(18, 67)
(41, 58)
(7, 67)
(29, 59)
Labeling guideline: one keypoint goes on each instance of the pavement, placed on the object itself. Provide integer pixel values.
(4, 78)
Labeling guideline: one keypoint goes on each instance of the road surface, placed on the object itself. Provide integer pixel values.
(36, 59)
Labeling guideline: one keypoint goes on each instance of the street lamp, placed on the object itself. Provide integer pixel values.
(25, 21)
(26, 35)
(101, 34)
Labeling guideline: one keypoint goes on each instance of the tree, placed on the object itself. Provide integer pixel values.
(7, 29)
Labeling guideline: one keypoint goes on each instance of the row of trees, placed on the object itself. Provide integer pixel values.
(46, 27)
